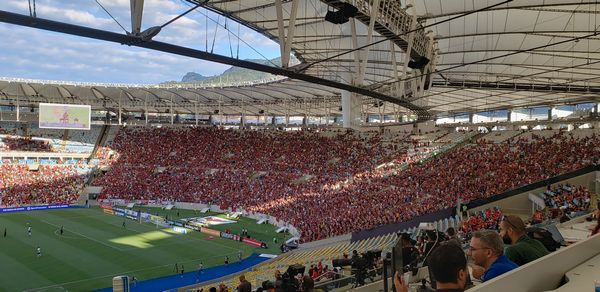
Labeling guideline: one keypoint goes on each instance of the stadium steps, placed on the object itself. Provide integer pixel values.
(83, 196)
(521, 133)
(307, 257)
(441, 137)
(471, 139)
(101, 139)
(64, 141)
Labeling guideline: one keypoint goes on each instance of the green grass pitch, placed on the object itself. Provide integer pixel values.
(95, 247)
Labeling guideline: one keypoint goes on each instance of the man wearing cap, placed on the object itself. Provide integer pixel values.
(523, 249)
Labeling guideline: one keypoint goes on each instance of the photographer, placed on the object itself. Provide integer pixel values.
(410, 254)
(359, 268)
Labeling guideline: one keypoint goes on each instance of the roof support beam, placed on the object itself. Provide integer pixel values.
(411, 38)
(365, 52)
(120, 106)
(355, 54)
(396, 86)
(137, 9)
(285, 42)
(77, 30)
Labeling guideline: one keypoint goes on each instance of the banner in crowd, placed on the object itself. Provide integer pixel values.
(209, 221)
(245, 240)
(230, 236)
(107, 209)
(180, 230)
(175, 223)
(35, 208)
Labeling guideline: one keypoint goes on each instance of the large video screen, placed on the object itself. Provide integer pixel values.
(65, 116)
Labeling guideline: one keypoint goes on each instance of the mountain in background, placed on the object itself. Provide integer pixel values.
(193, 76)
(233, 74)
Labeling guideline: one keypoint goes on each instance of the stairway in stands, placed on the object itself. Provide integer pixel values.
(100, 141)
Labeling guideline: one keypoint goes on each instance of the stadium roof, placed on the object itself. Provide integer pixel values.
(277, 97)
(485, 55)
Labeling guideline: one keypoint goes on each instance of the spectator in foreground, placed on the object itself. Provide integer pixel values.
(448, 265)
(410, 254)
(487, 251)
(523, 249)
(452, 237)
(244, 286)
(308, 285)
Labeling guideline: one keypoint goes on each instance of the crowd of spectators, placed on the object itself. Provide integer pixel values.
(10, 143)
(320, 271)
(348, 190)
(48, 184)
(486, 219)
(567, 199)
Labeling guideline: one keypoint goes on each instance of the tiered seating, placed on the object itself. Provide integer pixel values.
(45, 133)
(309, 257)
(486, 219)
(500, 136)
(455, 137)
(583, 133)
(536, 134)
(12, 128)
(50, 184)
(47, 140)
(82, 141)
(567, 198)
(17, 143)
(348, 191)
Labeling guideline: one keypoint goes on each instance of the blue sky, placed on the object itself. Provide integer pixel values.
(38, 54)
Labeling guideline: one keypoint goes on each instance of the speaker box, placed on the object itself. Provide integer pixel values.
(336, 17)
(418, 63)
(348, 10)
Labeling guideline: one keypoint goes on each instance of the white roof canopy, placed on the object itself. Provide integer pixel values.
(519, 54)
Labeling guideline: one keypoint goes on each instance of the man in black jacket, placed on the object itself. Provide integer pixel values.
(448, 266)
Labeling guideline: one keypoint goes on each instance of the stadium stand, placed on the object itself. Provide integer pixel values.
(48, 184)
(316, 257)
(486, 219)
(28, 137)
(345, 194)
(566, 199)
(500, 136)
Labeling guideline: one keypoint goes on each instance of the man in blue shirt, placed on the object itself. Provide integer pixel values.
(487, 251)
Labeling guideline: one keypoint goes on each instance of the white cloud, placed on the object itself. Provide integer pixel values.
(70, 15)
(38, 54)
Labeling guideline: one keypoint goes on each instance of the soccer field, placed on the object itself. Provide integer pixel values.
(95, 247)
